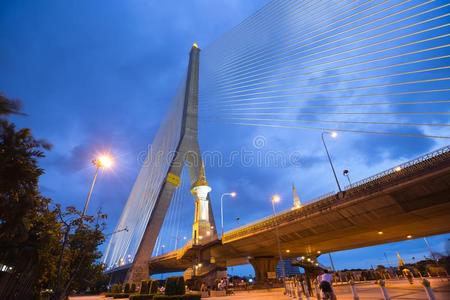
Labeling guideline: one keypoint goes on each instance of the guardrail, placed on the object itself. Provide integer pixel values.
(380, 181)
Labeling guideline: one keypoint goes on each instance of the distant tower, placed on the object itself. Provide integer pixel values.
(297, 203)
(401, 262)
(201, 229)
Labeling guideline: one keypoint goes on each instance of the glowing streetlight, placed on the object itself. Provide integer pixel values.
(276, 199)
(103, 161)
(232, 194)
(333, 134)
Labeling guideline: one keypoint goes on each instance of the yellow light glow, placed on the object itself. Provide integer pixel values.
(309, 259)
(380, 232)
(318, 252)
(195, 45)
(397, 169)
(288, 251)
(276, 198)
(409, 236)
(104, 161)
(302, 257)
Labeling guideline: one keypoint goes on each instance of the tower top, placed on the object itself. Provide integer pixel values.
(201, 180)
(194, 45)
(296, 198)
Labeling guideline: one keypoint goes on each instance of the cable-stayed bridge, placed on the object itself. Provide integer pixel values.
(378, 68)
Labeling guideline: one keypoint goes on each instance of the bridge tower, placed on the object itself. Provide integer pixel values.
(297, 202)
(202, 227)
(175, 145)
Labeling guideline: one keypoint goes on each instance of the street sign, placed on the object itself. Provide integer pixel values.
(173, 179)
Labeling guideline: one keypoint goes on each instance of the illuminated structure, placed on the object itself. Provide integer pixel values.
(297, 202)
(201, 229)
(152, 192)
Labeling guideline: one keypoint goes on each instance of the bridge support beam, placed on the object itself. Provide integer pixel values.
(263, 265)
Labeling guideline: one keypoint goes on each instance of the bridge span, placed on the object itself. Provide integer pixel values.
(409, 201)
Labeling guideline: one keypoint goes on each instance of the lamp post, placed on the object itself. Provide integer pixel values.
(333, 135)
(103, 161)
(276, 199)
(232, 194)
(346, 174)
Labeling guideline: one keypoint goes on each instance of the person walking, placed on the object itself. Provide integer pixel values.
(325, 281)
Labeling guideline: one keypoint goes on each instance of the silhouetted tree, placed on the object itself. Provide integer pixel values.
(25, 220)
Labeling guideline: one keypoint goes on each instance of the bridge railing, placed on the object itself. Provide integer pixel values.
(429, 157)
(363, 187)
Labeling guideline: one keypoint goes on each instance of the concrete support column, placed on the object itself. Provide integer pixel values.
(262, 265)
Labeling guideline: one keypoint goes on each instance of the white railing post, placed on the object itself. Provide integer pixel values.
(305, 288)
(354, 291)
(299, 290)
(384, 291)
(428, 289)
(318, 294)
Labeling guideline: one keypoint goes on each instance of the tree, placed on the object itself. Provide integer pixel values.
(8, 107)
(46, 248)
(25, 219)
(77, 266)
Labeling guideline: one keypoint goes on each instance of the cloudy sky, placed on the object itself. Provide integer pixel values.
(99, 77)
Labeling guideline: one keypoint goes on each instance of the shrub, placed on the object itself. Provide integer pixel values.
(121, 295)
(181, 289)
(144, 287)
(171, 286)
(153, 287)
(177, 297)
(133, 288)
(116, 288)
(192, 297)
(127, 288)
(142, 297)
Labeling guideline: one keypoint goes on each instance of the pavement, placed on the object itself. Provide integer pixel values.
(397, 289)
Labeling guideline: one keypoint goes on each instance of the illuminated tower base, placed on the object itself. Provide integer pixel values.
(202, 230)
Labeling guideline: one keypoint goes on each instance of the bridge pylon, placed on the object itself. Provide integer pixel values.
(176, 145)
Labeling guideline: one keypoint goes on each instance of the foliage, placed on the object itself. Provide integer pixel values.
(116, 288)
(53, 249)
(126, 289)
(8, 106)
(77, 263)
(153, 286)
(27, 226)
(176, 297)
(144, 287)
(142, 297)
(181, 289)
(133, 288)
(171, 286)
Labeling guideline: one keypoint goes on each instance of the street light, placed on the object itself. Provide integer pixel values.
(346, 174)
(333, 134)
(232, 194)
(276, 199)
(103, 161)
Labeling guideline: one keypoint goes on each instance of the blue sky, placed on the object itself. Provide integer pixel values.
(99, 76)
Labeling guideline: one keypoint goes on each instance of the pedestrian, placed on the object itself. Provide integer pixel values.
(325, 281)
